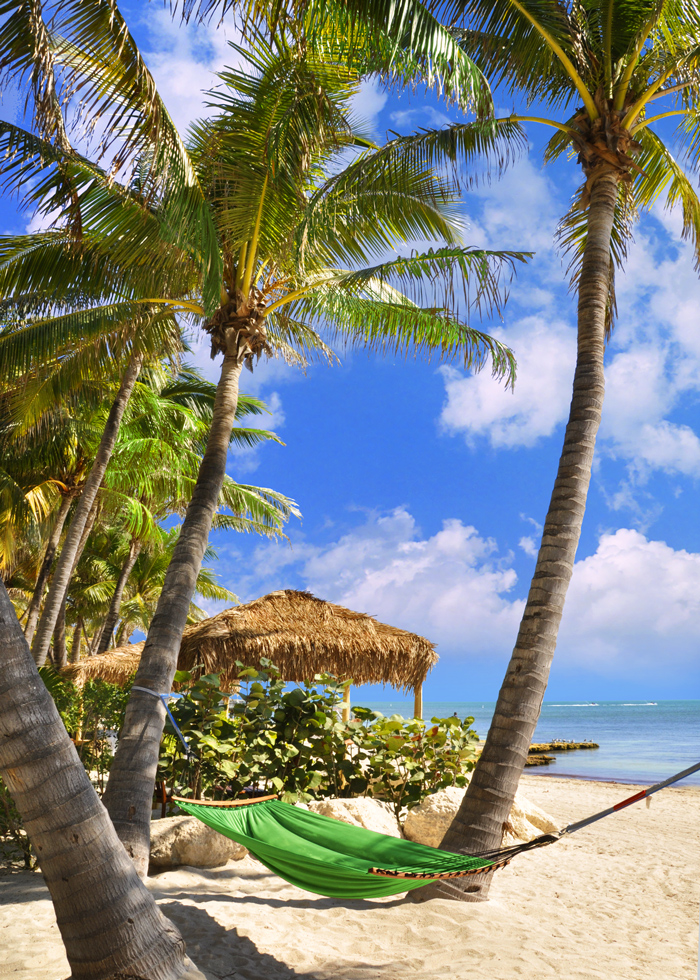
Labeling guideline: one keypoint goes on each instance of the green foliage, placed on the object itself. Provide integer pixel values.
(14, 843)
(92, 715)
(280, 741)
(407, 759)
(293, 742)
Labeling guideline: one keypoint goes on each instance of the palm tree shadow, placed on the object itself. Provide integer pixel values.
(227, 955)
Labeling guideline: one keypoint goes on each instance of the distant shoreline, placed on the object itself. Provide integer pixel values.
(536, 771)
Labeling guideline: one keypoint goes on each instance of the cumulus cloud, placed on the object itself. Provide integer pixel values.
(653, 362)
(452, 586)
(476, 406)
(521, 211)
(633, 605)
(528, 545)
(183, 59)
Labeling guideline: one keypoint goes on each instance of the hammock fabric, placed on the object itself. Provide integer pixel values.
(332, 858)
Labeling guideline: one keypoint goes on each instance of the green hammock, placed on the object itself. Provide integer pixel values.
(332, 858)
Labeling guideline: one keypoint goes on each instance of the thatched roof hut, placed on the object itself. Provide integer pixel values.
(300, 634)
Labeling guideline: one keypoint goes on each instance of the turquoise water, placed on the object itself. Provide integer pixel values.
(640, 742)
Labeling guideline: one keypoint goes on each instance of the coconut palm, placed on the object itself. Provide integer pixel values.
(151, 476)
(50, 464)
(300, 249)
(100, 575)
(604, 74)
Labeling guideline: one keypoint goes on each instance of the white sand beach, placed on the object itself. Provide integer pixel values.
(617, 900)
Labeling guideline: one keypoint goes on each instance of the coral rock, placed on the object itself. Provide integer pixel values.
(360, 811)
(428, 822)
(186, 840)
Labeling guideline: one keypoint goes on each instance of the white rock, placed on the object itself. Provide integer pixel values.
(186, 840)
(526, 821)
(360, 811)
(428, 822)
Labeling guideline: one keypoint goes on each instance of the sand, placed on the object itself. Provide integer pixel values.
(618, 900)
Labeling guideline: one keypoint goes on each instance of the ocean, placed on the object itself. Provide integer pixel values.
(640, 742)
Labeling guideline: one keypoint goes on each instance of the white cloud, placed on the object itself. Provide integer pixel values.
(478, 406)
(183, 58)
(424, 115)
(451, 587)
(369, 102)
(529, 546)
(520, 211)
(634, 605)
(653, 362)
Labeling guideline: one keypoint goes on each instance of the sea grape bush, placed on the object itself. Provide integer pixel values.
(92, 714)
(407, 759)
(293, 742)
(268, 738)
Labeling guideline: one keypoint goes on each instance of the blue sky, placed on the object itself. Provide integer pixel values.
(423, 488)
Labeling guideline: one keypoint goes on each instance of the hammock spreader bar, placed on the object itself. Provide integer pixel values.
(333, 858)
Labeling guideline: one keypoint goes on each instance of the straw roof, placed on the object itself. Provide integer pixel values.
(300, 634)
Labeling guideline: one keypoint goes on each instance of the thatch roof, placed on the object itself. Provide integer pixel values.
(300, 634)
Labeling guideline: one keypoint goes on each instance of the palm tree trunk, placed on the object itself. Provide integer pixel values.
(60, 651)
(115, 605)
(479, 823)
(69, 552)
(95, 641)
(42, 578)
(129, 792)
(75, 643)
(108, 920)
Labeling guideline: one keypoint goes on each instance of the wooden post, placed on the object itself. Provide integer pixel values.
(346, 704)
(418, 701)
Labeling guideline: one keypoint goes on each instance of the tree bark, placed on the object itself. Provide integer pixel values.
(60, 651)
(129, 792)
(75, 643)
(115, 605)
(479, 823)
(108, 920)
(43, 576)
(69, 552)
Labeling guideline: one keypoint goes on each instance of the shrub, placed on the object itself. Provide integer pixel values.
(14, 843)
(293, 742)
(407, 759)
(282, 741)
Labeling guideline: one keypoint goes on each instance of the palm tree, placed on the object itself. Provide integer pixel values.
(286, 230)
(50, 464)
(601, 67)
(76, 845)
(151, 476)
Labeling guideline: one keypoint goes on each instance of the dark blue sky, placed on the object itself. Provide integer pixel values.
(423, 488)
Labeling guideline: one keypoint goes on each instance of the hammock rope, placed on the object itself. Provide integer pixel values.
(339, 860)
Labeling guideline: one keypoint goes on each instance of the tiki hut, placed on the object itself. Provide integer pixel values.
(300, 634)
